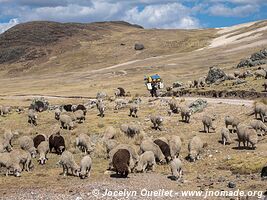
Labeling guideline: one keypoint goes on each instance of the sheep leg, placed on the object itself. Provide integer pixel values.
(205, 128)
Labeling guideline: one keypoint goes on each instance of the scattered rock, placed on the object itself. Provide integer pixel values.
(198, 105)
(177, 84)
(139, 46)
(216, 75)
(231, 185)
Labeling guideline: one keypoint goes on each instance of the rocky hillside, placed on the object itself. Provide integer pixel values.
(34, 40)
(28, 45)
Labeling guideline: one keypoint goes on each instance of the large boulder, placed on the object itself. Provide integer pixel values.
(198, 105)
(39, 104)
(258, 58)
(216, 75)
(139, 46)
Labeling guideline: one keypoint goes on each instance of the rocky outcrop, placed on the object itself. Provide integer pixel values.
(258, 58)
(216, 75)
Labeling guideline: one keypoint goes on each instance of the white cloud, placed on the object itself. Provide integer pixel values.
(238, 11)
(5, 26)
(172, 15)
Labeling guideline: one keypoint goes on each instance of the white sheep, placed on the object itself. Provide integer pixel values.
(67, 162)
(175, 144)
(10, 163)
(85, 167)
(43, 149)
(195, 147)
(23, 157)
(26, 143)
(176, 168)
(258, 126)
(146, 161)
(225, 133)
(149, 145)
(84, 143)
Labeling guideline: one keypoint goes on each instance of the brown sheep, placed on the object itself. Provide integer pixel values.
(165, 148)
(121, 162)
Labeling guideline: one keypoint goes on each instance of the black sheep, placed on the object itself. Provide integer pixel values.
(57, 142)
(81, 107)
(68, 107)
(121, 161)
(122, 92)
(38, 139)
(165, 148)
(264, 172)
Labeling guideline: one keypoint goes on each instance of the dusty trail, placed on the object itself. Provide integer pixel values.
(242, 102)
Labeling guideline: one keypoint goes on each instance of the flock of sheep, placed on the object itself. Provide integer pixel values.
(123, 158)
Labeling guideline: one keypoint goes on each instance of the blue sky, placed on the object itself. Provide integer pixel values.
(181, 14)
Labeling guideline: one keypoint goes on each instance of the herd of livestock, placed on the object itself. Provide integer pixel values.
(123, 158)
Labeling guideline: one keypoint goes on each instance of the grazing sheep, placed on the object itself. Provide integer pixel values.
(208, 123)
(84, 143)
(157, 122)
(260, 109)
(68, 107)
(79, 115)
(10, 163)
(23, 157)
(38, 139)
(4, 110)
(195, 147)
(32, 117)
(165, 148)
(26, 143)
(43, 149)
(265, 85)
(66, 122)
(176, 168)
(232, 121)
(225, 133)
(149, 145)
(260, 73)
(247, 135)
(67, 162)
(101, 107)
(5, 146)
(133, 110)
(120, 92)
(120, 103)
(85, 167)
(110, 144)
(133, 130)
(109, 133)
(175, 144)
(121, 162)
(57, 113)
(9, 135)
(146, 161)
(186, 114)
(57, 143)
(173, 106)
(133, 159)
(81, 107)
(264, 172)
(258, 126)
